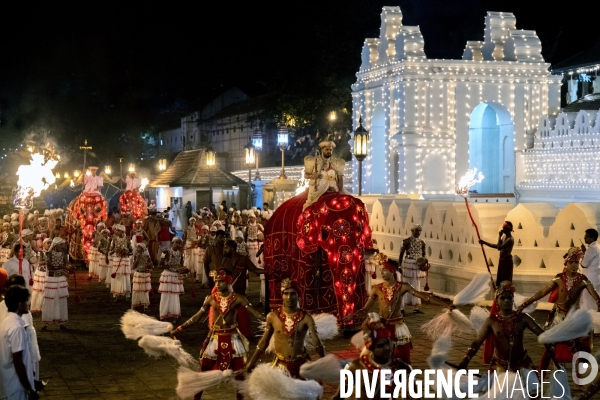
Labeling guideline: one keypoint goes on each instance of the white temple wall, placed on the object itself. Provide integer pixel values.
(542, 232)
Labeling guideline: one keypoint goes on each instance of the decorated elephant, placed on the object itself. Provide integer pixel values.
(322, 249)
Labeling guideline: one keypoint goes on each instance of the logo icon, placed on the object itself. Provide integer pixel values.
(581, 367)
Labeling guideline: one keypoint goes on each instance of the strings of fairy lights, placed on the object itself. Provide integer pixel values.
(427, 104)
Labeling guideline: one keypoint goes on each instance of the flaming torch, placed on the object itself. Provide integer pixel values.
(145, 181)
(33, 178)
(462, 189)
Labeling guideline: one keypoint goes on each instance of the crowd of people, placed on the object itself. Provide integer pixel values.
(122, 256)
(219, 248)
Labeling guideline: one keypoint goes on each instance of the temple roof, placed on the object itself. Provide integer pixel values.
(189, 169)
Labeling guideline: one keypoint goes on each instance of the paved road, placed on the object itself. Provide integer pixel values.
(93, 360)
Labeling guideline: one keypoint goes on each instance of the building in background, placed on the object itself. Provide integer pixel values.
(580, 76)
(228, 122)
(188, 178)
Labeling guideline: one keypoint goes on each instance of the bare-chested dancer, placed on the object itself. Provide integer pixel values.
(288, 326)
(225, 347)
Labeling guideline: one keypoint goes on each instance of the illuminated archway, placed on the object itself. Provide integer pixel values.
(377, 180)
(491, 147)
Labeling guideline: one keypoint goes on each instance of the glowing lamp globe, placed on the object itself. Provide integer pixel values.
(210, 156)
(282, 136)
(249, 153)
(361, 142)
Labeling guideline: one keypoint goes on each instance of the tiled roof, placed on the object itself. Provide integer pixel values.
(588, 102)
(189, 169)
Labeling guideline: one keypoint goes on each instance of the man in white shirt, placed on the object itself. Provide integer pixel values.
(92, 182)
(175, 219)
(12, 267)
(132, 182)
(17, 280)
(15, 355)
(591, 267)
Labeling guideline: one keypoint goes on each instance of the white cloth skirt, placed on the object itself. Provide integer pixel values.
(141, 289)
(94, 261)
(200, 252)
(170, 288)
(121, 283)
(402, 333)
(189, 257)
(54, 307)
(412, 275)
(37, 292)
(252, 249)
(104, 269)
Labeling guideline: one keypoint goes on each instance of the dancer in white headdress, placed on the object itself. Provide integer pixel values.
(94, 255)
(56, 287)
(413, 248)
(190, 238)
(39, 278)
(103, 258)
(171, 285)
(120, 249)
(201, 251)
(142, 277)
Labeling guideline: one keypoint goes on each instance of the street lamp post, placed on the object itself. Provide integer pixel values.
(282, 141)
(121, 170)
(257, 142)
(332, 117)
(210, 162)
(249, 151)
(361, 146)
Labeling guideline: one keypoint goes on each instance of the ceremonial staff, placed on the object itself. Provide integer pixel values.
(462, 189)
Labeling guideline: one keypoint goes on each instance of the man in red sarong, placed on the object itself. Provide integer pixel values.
(225, 347)
(388, 295)
(288, 326)
(376, 355)
(571, 285)
(508, 328)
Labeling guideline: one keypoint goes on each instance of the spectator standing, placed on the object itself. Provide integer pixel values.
(15, 354)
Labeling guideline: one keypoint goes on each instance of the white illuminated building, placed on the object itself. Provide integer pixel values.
(430, 120)
(498, 110)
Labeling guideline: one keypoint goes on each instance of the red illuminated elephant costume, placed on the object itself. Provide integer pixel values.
(83, 214)
(132, 201)
(321, 248)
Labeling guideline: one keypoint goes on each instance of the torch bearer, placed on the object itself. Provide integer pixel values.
(462, 189)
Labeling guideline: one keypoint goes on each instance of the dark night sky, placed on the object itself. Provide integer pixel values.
(107, 72)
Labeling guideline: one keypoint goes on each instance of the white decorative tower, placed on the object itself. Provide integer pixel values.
(431, 120)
